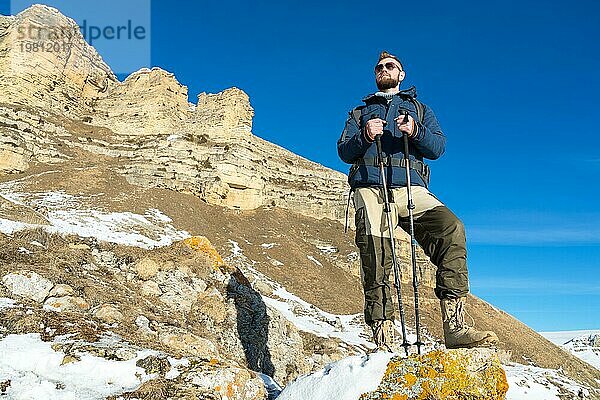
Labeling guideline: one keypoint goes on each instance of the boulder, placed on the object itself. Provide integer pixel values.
(109, 314)
(61, 290)
(474, 374)
(146, 268)
(28, 284)
(187, 344)
(66, 303)
(150, 289)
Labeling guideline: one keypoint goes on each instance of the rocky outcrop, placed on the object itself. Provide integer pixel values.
(45, 62)
(444, 375)
(228, 111)
(203, 309)
(67, 105)
(148, 102)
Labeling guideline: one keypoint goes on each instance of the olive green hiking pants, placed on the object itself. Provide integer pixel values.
(437, 230)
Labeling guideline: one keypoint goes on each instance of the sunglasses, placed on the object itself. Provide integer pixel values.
(388, 65)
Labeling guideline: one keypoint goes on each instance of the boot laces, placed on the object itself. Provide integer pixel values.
(457, 315)
(461, 311)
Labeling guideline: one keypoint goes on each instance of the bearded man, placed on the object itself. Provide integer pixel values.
(437, 230)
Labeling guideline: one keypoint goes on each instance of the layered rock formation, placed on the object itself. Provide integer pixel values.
(69, 98)
(45, 62)
(67, 105)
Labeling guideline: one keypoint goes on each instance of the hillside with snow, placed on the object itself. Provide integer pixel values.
(582, 344)
(151, 248)
(37, 364)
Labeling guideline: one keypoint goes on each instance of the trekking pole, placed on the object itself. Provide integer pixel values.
(413, 242)
(388, 212)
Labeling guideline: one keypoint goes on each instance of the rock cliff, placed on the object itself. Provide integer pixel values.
(83, 153)
(55, 102)
(73, 108)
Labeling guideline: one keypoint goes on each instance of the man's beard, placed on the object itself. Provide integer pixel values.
(386, 82)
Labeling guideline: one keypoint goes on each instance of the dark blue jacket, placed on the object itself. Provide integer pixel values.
(353, 145)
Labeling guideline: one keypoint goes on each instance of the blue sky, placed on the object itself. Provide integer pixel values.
(513, 84)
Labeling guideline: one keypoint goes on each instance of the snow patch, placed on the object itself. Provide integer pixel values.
(67, 214)
(35, 372)
(350, 377)
(562, 337)
(272, 387)
(311, 258)
(176, 362)
(533, 383)
(6, 303)
(584, 345)
(236, 250)
(350, 329)
(9, 227)
(327, 249)
(346, 379)
(275, 262)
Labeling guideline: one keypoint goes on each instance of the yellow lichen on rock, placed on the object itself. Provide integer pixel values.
(443, 375)
(203, 245)
(410, 379)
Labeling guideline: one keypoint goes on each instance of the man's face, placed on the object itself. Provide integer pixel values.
(388, 74)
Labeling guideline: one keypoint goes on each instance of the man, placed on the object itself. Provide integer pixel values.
(437, 230)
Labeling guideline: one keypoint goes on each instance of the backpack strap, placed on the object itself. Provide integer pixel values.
(420, 107)
(356, 113)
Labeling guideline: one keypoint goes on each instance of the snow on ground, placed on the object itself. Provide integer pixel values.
(35, 372)
(327, 249)
(236, 250)
(311, 258)
(273, 389)
(350, 329)
(533, 383)
(175, 363)
(305, 316)
(6, 303)
(582, 344)
(348, 378)
(562, 337)
(352, 376)
(68, 214)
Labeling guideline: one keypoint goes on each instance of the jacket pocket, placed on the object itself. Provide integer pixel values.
(372, 111)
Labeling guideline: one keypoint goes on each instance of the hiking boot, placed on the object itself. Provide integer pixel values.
(457, 334)
(383, 334)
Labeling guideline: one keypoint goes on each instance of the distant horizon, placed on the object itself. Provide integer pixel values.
(514, 90)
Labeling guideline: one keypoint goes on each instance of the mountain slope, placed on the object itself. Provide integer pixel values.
(116, 164)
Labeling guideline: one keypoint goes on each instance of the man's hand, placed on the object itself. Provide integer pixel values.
(409, 126)
(373, 128)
